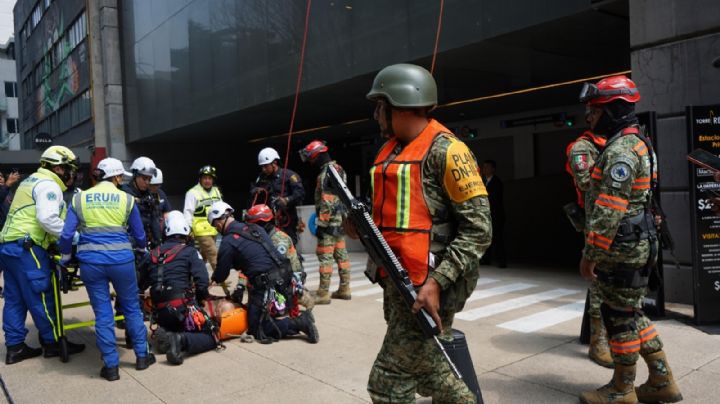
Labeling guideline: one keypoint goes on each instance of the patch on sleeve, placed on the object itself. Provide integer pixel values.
(462, 177)
(282, 249)
(620, 172)
(52, 196)
(580, 162)
(294, 178)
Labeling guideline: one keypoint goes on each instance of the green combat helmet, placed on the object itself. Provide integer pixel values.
(405, 86)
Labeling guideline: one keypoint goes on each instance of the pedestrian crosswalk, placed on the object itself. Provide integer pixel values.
(492, 298)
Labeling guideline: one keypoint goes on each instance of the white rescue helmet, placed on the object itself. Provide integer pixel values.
(157, 179)
(143, 166)
(218, 209)
(59, 155)
(110, 167)
(175, 224)
(267, 156)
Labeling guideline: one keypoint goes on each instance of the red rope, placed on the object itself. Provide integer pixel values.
(297, 96)
(437, 36)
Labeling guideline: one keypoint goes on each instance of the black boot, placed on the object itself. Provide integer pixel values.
(305, 323)
(53, 350)
(142, 363)
(20, 352)
(174, 353)
(110, 374)
(162, 344)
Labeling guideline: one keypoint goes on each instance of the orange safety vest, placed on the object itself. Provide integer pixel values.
(599, 142)
(399, 207)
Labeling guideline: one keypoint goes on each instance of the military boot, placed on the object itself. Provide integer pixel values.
(305, 323)
(307, 301)
(599, 350)
(322, 295)
(620, 390)
(660, 386)
(343, 291)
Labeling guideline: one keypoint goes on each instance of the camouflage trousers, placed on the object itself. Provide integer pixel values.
(332, 248)
(408, 362)
(595, 300)
(630, 332)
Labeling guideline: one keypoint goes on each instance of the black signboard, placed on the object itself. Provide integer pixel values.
(703, 125)
(43, 141)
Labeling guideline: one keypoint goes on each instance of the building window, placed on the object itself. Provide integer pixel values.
(10, 89)
(37, 14)
(77, 31)
(12, 125)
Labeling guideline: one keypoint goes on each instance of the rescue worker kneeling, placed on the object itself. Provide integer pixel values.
(263, 216)
(246, 247)
(176, 269)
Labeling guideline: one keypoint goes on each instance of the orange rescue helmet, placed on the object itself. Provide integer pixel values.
(312, 150)
(610, 89)
(259, 213)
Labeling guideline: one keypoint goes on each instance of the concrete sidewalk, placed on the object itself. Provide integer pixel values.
(522, 326)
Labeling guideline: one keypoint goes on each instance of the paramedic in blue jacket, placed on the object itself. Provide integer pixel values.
(101, 215)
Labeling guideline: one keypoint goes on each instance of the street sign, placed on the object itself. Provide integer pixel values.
(703, 126)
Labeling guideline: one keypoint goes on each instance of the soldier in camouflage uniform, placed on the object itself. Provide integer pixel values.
(582, 154)
(621, 244)
(262, 215)
(331, 240)
(430, 203)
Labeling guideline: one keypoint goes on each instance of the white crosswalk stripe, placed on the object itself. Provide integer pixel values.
(367, 292)
(354, 274)
(546, 318)
(488, 293)
(517, 295)
(480, 282)
(512, 304)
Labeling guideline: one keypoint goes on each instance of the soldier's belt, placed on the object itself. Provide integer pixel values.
(625, 277)
(636, 228)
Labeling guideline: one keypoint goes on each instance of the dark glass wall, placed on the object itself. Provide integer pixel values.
(187, 61)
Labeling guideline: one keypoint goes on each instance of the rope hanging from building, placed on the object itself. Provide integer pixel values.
(295, 104)
(300, 75)
(437, 36)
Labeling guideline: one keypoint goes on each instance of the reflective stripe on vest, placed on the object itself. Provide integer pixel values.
(399, 207)
(203, 201)
(103, 212)
(22, 215)
(104, 247)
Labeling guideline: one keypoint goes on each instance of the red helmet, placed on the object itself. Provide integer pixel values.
(610, 89)
(312, 150)
(259, 213)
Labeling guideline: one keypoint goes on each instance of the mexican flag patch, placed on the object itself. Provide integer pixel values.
(580, 161)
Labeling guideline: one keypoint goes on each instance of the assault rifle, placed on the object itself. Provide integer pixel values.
(383, 256)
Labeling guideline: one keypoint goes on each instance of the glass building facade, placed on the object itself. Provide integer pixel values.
(189, 61)
(53, 70)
